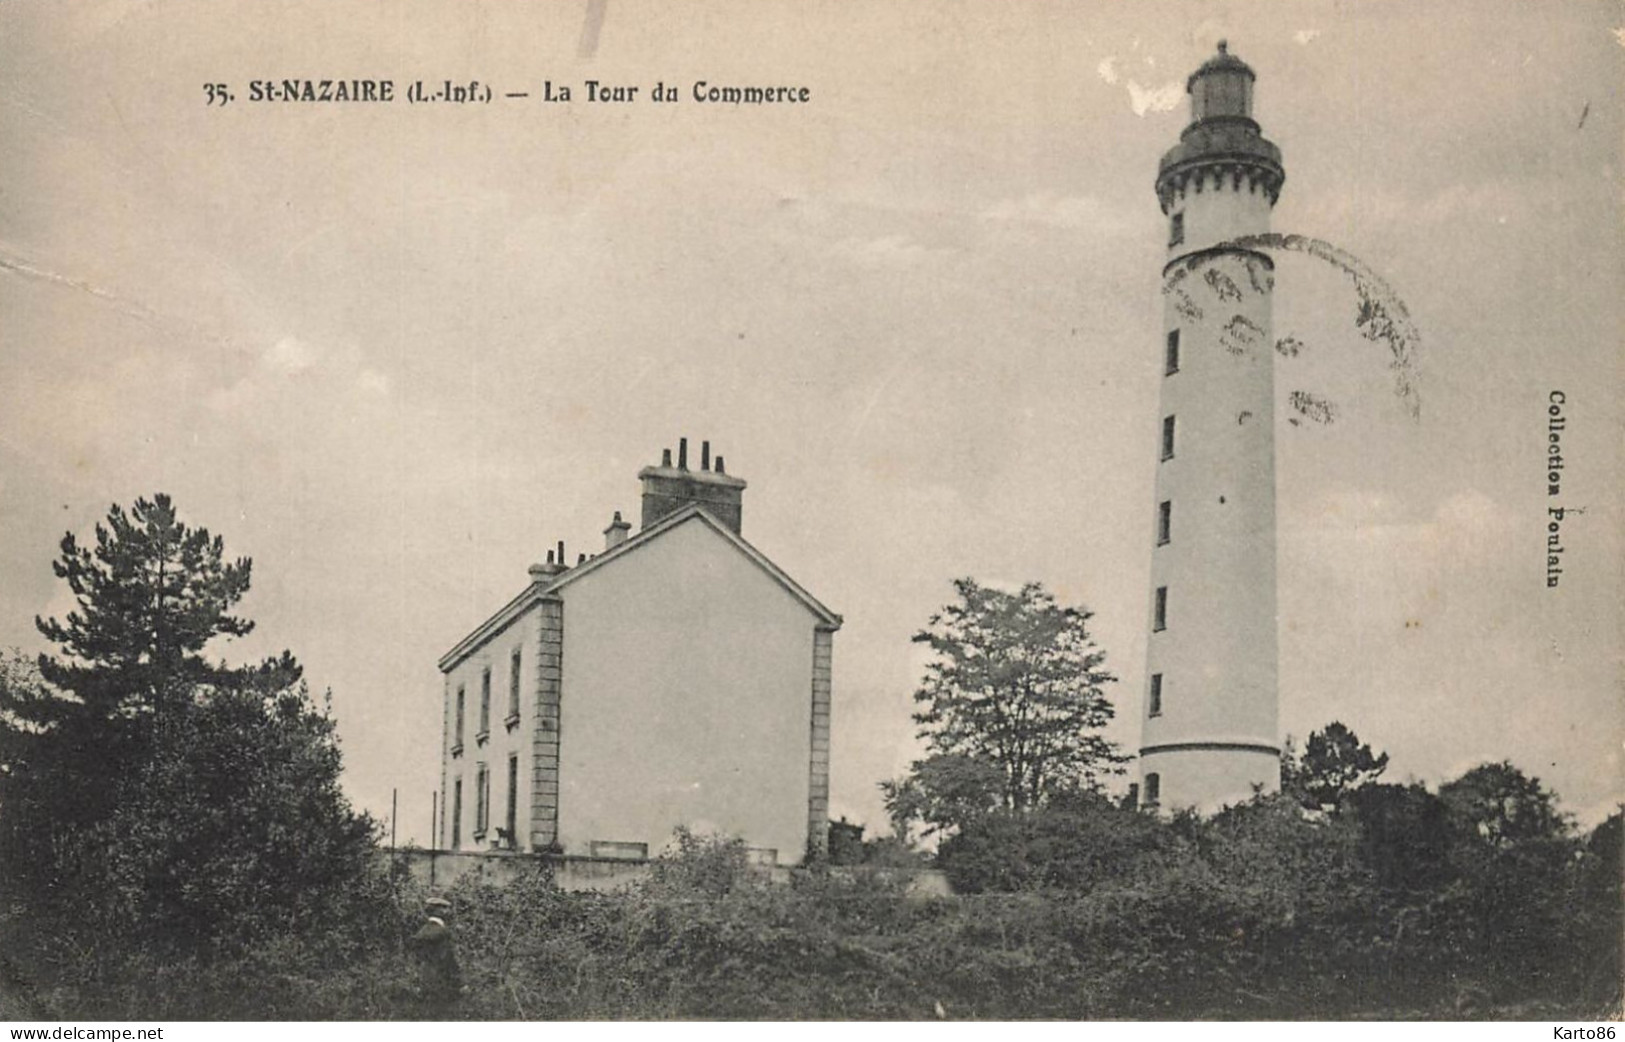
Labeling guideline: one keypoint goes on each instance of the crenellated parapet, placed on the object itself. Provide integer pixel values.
(1204, 173)
(1223, 147)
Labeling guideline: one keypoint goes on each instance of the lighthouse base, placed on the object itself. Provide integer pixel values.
(1206, 776)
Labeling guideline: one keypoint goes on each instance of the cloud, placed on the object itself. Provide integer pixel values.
(1165, 98)
(372, 382)
(339, 373)
(1059, 211)
(886, 251)
(1143, 99)
(289, 355)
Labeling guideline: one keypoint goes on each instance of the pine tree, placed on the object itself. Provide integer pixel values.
(152, 594)
(147, 792)
(1334, 764)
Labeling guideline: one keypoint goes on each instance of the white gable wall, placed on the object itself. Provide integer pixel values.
(686, 699)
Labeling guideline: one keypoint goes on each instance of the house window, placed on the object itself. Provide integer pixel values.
(1165, 518)
(482, 800)
(1159, 616)
(1156, 694)
(512, 817)
(457, 815)
(457, 735)
(485, 703)
(513, 688)
(1176, 229)
(1167, 437)
(1171, 361)
(1153, 789)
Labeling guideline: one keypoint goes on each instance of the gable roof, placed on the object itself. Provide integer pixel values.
(542, 588)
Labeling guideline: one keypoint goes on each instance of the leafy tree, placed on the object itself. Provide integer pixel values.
(1600, 914)
(1334, 763)
(24, 699)
(945, 791)
(1404, 837)
(1514, 857)
(234, 829)
(1503, 807)
(1074, 842)
(1014, 694)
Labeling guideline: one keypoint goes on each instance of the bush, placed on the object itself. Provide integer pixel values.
(1263, 912)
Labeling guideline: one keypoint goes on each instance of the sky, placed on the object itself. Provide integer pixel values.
(395, 352)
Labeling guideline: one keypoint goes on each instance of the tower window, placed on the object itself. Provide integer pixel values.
(457, 735)
(1155, 701)
(1153, 789)
(1165, 519)
(457, 814)
(1167, 437)
(1176, 229)
(1159, 615)
(1171, 365)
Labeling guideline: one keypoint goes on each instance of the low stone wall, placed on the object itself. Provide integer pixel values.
(443, 868)
(918, 882)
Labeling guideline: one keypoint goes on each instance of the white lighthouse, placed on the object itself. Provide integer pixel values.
(1210, 723)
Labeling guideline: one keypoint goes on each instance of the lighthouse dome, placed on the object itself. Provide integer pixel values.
(1222, 139)
(1221, 87)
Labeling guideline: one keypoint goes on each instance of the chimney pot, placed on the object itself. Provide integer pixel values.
(550, 557)
(561, 552)
(719, 465)
(682, 453)
(665, 457)
(581, 558)
(705, 455)
(615, 534)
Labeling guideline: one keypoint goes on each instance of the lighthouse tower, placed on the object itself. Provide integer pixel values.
(1210, 727)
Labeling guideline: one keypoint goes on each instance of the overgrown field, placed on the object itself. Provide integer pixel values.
(1262, 914)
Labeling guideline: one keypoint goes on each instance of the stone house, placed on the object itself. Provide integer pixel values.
(677, 678)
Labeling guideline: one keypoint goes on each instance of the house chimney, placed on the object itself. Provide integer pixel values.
(668, 489)
(615, 534)
(543, 572)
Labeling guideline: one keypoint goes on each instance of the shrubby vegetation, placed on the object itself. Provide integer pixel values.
(159, 810)
(176, 848)
(1260, 913)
